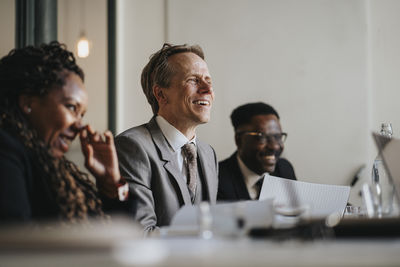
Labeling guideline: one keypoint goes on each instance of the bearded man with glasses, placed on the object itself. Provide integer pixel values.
(260, 142)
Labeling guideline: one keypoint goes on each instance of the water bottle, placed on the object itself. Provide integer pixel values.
(205, 221)
(382, 186)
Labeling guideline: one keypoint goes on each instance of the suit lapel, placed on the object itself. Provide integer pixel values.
(207, 165)
(171, 165)
(238, 180)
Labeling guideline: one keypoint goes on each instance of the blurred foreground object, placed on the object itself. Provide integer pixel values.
(53, 236)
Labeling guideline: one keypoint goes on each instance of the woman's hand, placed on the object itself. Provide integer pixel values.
(101, 159)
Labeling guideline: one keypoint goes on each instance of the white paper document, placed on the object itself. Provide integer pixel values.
(320, 200)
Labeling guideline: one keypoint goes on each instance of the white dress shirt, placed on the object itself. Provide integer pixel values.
(250, 178)
(176, 141)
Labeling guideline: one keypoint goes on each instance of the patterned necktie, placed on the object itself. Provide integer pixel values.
(189, 150)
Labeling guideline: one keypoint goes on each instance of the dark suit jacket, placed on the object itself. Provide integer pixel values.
(156, 187)
(232, 186)
(24, 194)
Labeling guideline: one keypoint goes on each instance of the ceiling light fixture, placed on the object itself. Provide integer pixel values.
(83, 44)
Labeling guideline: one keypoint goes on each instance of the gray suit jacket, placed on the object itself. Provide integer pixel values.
(156, 188)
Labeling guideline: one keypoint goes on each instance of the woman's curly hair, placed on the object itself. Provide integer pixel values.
(35, 71)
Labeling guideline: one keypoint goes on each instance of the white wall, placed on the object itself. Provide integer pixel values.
(309, 59)
(385, 43)
(140, 33)
(306, 58)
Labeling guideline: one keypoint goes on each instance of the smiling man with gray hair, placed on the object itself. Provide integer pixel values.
(164, 163)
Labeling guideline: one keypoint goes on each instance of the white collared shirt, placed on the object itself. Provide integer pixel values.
(176, 141)
(250, 178)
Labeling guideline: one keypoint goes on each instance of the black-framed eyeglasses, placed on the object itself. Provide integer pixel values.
(266, 138)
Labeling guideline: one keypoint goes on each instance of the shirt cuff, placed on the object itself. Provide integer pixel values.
(123, 190)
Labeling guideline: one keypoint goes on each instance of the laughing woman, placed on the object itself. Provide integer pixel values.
(42, 102)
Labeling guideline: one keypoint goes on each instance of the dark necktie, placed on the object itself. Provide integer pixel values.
(189, 150)
(258, 185)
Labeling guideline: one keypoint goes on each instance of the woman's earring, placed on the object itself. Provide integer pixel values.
(28, 110)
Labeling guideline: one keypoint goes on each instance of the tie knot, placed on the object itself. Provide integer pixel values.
(190, 152)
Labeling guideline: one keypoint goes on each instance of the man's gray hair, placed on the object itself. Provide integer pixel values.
(159, 71)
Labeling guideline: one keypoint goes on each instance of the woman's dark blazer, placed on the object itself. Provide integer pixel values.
(24, 194)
